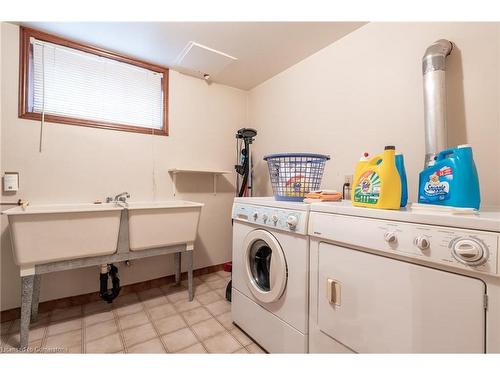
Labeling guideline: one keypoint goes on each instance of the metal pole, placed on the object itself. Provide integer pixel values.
(250, 168)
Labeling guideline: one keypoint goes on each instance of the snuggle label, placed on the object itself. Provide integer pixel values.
(438, 186)
(367, 189)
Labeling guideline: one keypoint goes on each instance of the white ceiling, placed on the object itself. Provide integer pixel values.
(263, 49)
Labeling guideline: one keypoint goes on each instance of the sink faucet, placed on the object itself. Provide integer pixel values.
(122, 197)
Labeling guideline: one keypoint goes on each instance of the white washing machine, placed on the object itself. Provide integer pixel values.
(270, 272)
(403, 282)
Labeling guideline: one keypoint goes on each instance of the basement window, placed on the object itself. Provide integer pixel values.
(76, 84)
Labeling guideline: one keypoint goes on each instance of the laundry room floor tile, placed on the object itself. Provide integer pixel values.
(242, 338)
(185, 305)
(152, 297)
(133, 320)
(107, 344)
(161, 311)
(221, 292)
(156, 301)
(194, 349)
(64, 326)
(98, 317)
(207, 328)
(226, 320)
(180, 339)
(170, 324)
(12, 340)
(129, 309)
(216, 284)
(156, 320)
(139, 334)
(200, 289)
(177, 295)
(99, 330)
(151, 346)
(208, 297)
(219, 307)
(196, 315)
(210, 277)
(255, 349)
(241, 351)
(222, 343)
(65, 340)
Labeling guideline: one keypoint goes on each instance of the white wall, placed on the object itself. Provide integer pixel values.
(365, 91)
(81, 164)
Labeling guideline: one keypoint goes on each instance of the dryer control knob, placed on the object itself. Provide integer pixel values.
(422, 242)
(292, 221)
(255, 215)
(390, 237)
(265, 217)
(469, 251)
(274, 218)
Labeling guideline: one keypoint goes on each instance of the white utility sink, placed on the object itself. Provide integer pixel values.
(163, 223)
(48, 233)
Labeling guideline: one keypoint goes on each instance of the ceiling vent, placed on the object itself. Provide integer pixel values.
(199, 60)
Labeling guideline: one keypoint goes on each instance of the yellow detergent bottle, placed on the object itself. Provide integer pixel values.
(377, 183)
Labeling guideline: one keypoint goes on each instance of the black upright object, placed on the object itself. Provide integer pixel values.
(243, 168)
(115, 290)
(228, 290)
(246, 135)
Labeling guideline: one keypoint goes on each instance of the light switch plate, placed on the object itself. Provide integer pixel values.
(10, 182)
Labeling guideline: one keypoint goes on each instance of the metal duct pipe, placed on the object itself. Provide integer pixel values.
(434, 71)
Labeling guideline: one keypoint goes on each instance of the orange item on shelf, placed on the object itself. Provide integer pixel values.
(324, 195)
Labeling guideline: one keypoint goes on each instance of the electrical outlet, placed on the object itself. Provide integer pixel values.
(348, 179)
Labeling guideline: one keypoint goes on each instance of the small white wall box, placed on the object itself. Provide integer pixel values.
(10, 181)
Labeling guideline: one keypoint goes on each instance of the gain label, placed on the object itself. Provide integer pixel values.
(367, 189)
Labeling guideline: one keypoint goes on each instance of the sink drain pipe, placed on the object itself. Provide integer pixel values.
(109, 270)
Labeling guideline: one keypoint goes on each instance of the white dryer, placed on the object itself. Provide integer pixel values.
(403, 281)
(270, 273)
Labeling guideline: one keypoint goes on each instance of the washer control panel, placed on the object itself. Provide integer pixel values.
(279, 218)
(462, 248)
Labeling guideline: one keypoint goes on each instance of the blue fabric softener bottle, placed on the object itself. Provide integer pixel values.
(452, 180)
(400, 165)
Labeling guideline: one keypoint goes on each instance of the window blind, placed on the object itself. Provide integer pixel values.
(72, 83)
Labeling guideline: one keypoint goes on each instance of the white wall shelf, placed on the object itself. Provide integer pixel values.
(175, 171)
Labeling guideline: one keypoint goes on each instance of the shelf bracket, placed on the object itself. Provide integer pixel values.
(174, 179)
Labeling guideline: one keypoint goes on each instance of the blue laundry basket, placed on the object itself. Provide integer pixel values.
(293, 175)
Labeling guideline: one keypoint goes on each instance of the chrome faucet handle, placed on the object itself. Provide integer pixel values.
(109, 199)
(122, 196)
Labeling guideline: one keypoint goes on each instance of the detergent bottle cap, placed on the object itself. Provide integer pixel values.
(389, 147)
(364, 157)
(463, 146)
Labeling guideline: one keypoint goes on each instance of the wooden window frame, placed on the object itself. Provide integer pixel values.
(24, 82)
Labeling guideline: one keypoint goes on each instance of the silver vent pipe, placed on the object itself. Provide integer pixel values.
(434, 71)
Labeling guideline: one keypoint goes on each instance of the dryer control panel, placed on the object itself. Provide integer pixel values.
(294, 221)
(462, 248)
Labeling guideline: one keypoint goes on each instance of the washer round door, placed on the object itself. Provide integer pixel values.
(265, 264)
